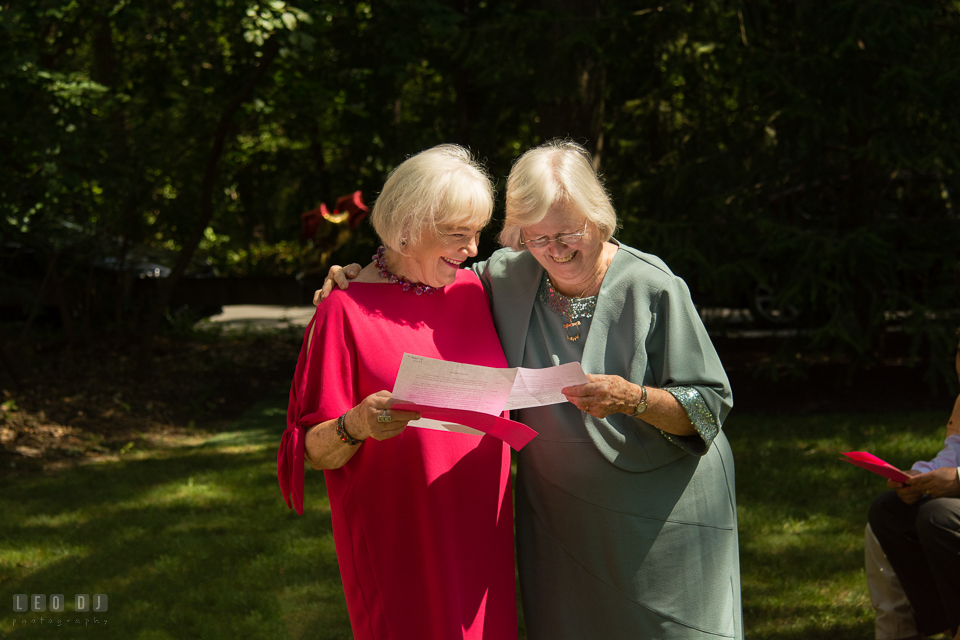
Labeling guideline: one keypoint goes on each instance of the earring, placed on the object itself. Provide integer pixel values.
(403, 242)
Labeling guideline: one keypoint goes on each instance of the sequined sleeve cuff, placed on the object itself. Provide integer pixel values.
(703, 420)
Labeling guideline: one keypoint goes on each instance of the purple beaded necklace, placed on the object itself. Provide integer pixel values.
(417, 287)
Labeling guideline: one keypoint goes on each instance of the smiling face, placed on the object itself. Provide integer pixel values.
(572, 268)
(436, 258)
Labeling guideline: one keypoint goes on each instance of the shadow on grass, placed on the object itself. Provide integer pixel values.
(802, 513)
(190, 543)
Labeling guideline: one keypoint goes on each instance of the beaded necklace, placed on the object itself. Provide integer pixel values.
(417, 287)
(570, 308)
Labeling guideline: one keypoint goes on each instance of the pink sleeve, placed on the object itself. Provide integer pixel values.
(322, 389)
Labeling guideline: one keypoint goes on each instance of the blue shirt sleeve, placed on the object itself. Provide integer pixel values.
(949, 456)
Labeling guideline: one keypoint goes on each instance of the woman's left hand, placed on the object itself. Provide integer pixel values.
(604, 395)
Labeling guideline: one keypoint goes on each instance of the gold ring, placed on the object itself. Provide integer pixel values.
(384, 416)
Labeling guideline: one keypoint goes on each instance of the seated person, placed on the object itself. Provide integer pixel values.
(917, 526)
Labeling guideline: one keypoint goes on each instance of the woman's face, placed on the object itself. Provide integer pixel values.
(437, 258)
(571, 268)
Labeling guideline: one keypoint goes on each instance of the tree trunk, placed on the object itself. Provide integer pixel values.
(124, 163)
(152, 325)
(575, 80)
(7, 363)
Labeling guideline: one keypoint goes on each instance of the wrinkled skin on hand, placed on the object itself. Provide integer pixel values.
(938, 483)
(361, 421)
(603, 395)
(336, 276)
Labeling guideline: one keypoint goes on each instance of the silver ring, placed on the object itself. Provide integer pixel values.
(384, 416)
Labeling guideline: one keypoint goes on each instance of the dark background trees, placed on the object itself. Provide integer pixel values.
(798, 158)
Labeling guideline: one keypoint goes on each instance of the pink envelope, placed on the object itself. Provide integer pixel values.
(515, 434)
(872, 463)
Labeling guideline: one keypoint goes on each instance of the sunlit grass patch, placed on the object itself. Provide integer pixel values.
(54, 520)
(315, 611)
(195, 541)
(189, 542)
(802, 513)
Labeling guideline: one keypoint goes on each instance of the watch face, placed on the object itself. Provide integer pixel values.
(641, 407)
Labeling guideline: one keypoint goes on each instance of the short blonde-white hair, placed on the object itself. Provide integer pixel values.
(557, 172)
(442, 186)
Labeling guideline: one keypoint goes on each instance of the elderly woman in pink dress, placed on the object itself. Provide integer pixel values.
(422, 519)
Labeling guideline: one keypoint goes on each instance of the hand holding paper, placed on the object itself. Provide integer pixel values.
(450, 395)
(872, 463)
(454, 385)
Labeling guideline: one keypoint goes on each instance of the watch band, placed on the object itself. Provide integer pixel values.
(642, 405)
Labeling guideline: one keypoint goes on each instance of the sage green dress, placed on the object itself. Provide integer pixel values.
(622, 531)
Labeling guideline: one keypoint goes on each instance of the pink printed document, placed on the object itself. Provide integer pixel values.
(872, 463)
(439, 390)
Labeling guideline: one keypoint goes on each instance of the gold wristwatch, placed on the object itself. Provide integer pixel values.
(642, 405)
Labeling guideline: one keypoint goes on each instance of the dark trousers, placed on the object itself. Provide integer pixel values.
(922, 542)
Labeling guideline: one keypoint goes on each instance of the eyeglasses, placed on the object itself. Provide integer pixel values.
(568, 239)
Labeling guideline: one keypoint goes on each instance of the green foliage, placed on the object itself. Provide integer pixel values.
(805, 150)
(282, 258)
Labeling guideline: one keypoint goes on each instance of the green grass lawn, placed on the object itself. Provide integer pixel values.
(802, 513)
(196, 542)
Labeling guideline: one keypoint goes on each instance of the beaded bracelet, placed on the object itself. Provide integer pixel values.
(345, 437)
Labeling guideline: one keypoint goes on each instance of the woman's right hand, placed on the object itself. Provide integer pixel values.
(361, 421)
(339, 276)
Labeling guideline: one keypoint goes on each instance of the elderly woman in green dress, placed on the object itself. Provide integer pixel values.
(625, 503)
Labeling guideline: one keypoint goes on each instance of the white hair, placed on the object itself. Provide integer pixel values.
(557, 172)
(442, 186)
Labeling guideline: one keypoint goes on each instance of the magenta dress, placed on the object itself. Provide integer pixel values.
(423, 522)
